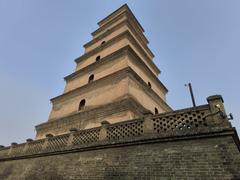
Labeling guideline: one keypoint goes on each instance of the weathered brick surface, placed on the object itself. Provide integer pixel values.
(207, 158)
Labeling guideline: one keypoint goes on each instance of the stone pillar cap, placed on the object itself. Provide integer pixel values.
(14, 144)
(49, 135)
(214, 97)
(105, 123)
(29, 140)
(73, 130)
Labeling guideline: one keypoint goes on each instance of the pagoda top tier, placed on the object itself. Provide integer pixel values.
(122, 10)
(120, 16)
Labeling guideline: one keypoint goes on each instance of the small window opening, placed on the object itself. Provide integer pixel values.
(156, 111)
(82, 105)
(49, 135)
(103, 42)
(149, 84)
(91, 78)
(98, 58)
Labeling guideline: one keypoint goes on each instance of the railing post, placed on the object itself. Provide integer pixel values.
(103, 131)
(217, 111)
(45, 144)
(147, 124)
(71, 136)
(11, 148)
(27, 145)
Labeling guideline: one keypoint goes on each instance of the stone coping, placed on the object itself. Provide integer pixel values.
(180, 111)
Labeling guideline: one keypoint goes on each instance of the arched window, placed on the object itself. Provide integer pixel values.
(156, 111)
(103, 42)
(91, 78)
(81, 104)
(149, 84)
(98, 58)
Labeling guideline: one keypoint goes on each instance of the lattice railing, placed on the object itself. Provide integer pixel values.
(17, 149)
(35, 147)
(4, 152)
(124, 130)
(86, 136)
(57, 143)
(180, 121)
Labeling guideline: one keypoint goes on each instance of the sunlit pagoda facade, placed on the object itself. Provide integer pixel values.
(115, 79)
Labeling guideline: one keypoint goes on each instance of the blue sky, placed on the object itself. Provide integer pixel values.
(194, 41)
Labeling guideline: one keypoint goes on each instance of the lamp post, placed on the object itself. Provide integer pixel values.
(191, 93)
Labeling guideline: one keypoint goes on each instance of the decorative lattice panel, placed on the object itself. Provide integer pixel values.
(181, 121)
(58, 142)
(4, 152)
(87, 136)
(35, 147)
(129, 129)
(18, 149)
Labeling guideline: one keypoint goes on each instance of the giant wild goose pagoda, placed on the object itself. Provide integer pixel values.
(113, 121)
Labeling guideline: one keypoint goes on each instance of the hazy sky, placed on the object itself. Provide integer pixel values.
(194, 41)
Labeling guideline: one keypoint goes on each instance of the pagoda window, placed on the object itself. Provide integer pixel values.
(149, 85)
(156, 111)
(82, 104)
(103, 42)
(91, 78)
(98, 58)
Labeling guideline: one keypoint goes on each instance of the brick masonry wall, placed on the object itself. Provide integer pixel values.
(206, 158)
